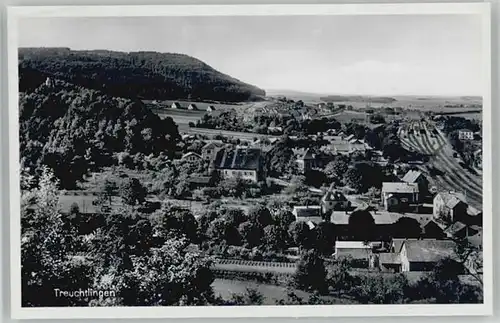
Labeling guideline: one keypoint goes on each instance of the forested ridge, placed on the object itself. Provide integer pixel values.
(72, 129)
(147, 75)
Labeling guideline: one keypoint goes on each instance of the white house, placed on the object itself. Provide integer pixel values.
(191, 156)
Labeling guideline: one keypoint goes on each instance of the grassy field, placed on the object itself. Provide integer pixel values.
(226, 287)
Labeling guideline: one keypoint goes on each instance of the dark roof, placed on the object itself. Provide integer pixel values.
(311, 211)
(429, 250)
(200, 179)
(334, 196)
(239, 158)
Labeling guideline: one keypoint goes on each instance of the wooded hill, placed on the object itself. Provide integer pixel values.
(143, 75)
(73, 129)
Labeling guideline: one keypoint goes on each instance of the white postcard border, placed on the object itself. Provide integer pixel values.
(18, 312)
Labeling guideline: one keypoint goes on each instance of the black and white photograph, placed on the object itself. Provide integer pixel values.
(251, 159)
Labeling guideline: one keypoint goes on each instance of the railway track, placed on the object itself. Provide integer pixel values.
(455, 177)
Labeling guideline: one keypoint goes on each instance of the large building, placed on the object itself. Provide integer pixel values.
(399, 196)
(244, 163)
(422, 255)
(414, 255)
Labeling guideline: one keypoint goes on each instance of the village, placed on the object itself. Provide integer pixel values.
(406, 220)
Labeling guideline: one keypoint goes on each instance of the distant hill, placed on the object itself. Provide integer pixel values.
(357, 98)
(146, 75)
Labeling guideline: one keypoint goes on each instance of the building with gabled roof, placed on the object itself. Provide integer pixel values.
(415, 176)
(192, 106)
(210, 108)
(191, 156)
(398, 196)
(242, 162)
(307, 213)
(334, 200)
(176, 105)
(450, 206)
(422, 255)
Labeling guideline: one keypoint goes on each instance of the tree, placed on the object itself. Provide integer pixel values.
(260, 215)
(339, 277)
(274, 237)
(168, 276)
(353, 179)
(311, 273)
(362, 226)
(325, 238)
(47, 249)
(406, 227)
(337, 168)
(251, 233)
(251, 297)
(444, 286)
(132, 192)
(300, 234)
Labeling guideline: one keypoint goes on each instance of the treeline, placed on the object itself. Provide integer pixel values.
(73, 130)
(357, 98)
(148, 75)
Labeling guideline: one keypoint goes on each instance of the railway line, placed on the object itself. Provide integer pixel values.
(454, 177)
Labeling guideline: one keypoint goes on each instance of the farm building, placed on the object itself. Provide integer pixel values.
(399, 196)
(388, 261)
(415, 176)
(450, 206)
(245, 163)
(192, 106)
(210, 108)
(176, 105)
(307, 213)
(359, 251)
(422, 255)
(191, 156)
(461, 230)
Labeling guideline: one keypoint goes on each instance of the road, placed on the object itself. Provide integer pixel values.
(226, 133)
(454, 177)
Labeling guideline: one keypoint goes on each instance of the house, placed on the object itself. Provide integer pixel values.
(350, 137)
(422, 255)
(334, 200)
(306, 160)
(191, 157)
(210, 108)
(399, 196)
(388, 261)
(415, 176)
(192, 106)
(359, 251)
(241, 162)
(430, 228)
(450, 206)
(200, 181)
(209, 151)
(461, 230)
(176, 105)
(307, 213)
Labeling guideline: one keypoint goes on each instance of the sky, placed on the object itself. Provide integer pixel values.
(374, 55)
